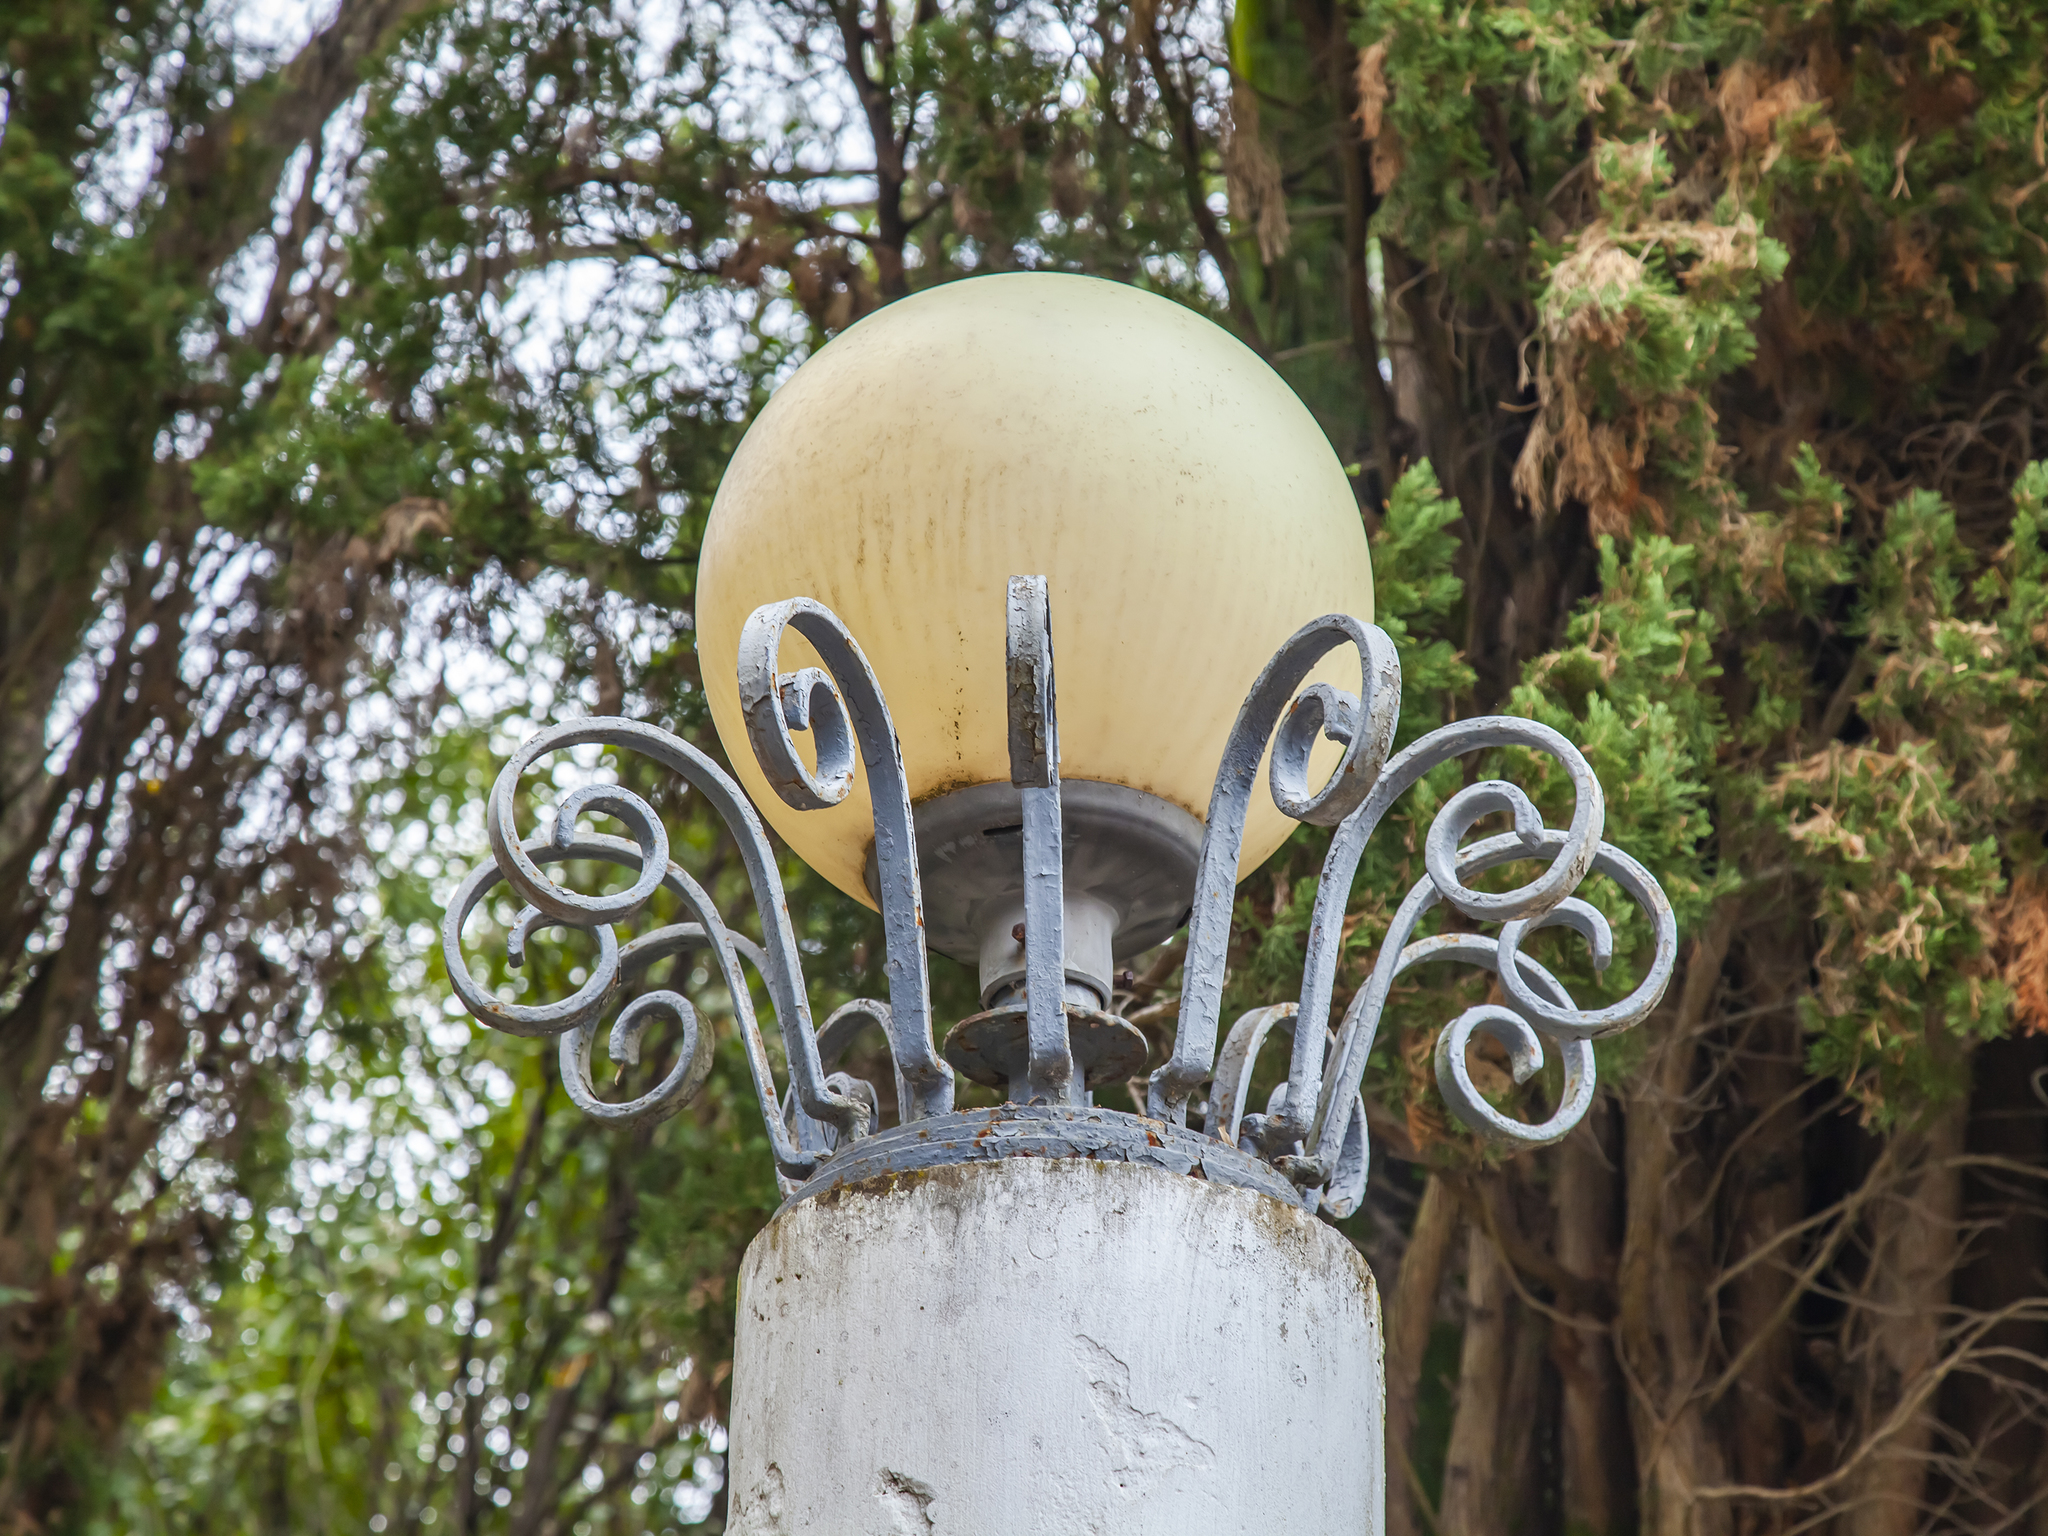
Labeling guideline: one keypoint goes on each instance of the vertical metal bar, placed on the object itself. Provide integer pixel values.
(1051, 1069)
(1035, 770)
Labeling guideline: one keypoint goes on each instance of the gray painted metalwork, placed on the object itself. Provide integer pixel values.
(1045, 1039)
(1038, 1130)
(844, 699)
(520, 865)
(1228, 1121)
(994, 1048)
(1035, 770)
(1318, 710)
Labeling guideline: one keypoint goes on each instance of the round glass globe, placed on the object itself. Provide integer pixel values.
(1186, 510)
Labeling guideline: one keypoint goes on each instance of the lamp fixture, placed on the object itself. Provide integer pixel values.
(1043, 837)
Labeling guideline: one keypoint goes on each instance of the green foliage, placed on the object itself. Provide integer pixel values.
(1688, 354)
(1909, 834)
(1417, 595)
(1633, 686)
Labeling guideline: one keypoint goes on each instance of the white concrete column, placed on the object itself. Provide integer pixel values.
(1054, 1347)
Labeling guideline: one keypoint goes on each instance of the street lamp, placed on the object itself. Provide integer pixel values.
(1051, 1315)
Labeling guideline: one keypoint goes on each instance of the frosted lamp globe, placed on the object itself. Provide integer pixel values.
(1187, 511)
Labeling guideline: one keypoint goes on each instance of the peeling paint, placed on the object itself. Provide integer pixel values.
(907, 1502)
(758, 1511)
(1041, 1131)
(1146, 1445)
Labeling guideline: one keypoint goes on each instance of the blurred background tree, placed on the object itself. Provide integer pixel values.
(368, 372)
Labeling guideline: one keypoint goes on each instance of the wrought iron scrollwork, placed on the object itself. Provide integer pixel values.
(1228, 1120)
(1312, 1127)
(1310, 1131)
(834, 1036)
(522, 865)
(1363, 724)
(841, 706)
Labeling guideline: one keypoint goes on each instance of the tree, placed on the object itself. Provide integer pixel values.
(172, 696)
(1690, 358)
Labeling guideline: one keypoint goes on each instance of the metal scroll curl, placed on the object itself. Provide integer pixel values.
(1538, 1006)
(834, 1036)
(1311, 1128)
(1363, 724)
(1263, 1134)
(523, 864)
(841, 707)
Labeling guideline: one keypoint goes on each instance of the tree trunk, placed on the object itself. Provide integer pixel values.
(1412, 1310)
(1915, 1233)
(1528, 1428)
(1659, 1323)
(2007, 1258)
(1472, 1503)
(1767, 1196)
(1597, 1460)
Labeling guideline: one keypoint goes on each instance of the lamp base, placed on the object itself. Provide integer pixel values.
(1131, 851)
(1027, 1345)
(993, 1048)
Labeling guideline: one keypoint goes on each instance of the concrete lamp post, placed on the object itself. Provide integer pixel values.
(1054, 1316)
